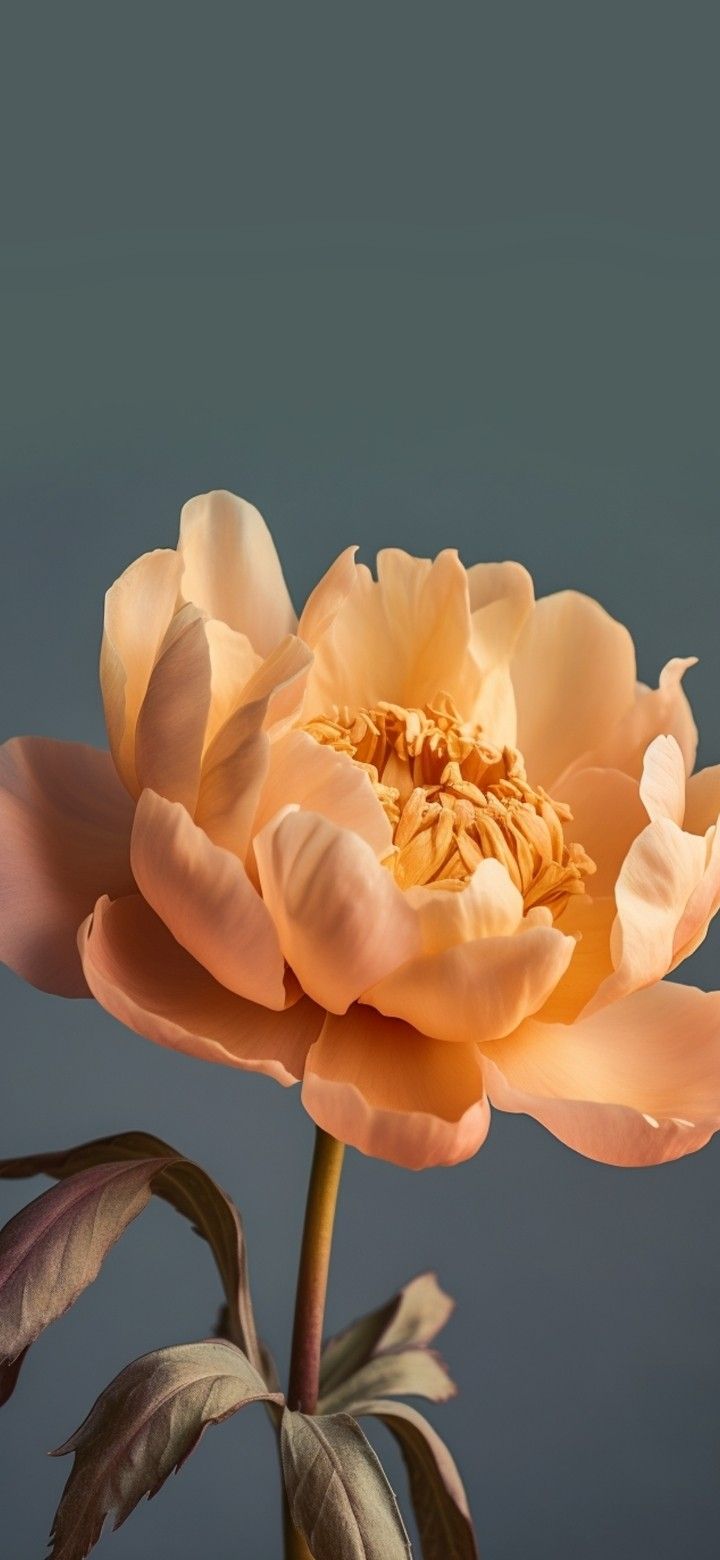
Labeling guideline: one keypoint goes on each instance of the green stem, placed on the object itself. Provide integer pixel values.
(310, 1299)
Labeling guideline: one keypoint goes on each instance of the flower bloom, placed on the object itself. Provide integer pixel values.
(429, 849)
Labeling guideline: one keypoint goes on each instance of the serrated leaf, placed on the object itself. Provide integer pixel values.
(190, 1191)
(410, 1319)
(339, 1497)
(144, 1425)
(400, 1373)
(52, 1250)
(436, 1489)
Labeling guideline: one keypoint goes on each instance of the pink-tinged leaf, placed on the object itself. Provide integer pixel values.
(339, 1497)
(436, 1489)
(52, 1250)
(386, 1351)
(190, 1191)
(397, 1373)
(9, 1373)
(144, 1425)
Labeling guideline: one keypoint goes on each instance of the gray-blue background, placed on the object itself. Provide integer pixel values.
(422, 279)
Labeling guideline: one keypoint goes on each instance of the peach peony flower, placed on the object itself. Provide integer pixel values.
(431, 848)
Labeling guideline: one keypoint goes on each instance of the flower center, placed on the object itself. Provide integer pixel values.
(453, 799)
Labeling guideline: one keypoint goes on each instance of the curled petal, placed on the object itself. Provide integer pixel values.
(236, 761)
(305, 773)
(391, 1092)
(634, 1085)
(489, 906)
(140, 974)
(65, 823)
(702, 800)
(204, 896)
(171, 725)
(343, 922)
(476, 990)
(660, 873)
(662, 787)
(138, 611)
(574, 677)
(232, 570)
(325, 601)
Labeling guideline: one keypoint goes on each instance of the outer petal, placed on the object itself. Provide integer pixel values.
(635, 1085)
(343, 922)
(65, 824)
(172, 721)
(236, 761)
(574, 677)
(662, 711)
(232, 570)
(662, 787)
(143, 977)
(402, 638)
(660, 873)
(317, 778)
(389, 1091)
(476, 990)
(138, 610)
(589, 921)
(204, 896)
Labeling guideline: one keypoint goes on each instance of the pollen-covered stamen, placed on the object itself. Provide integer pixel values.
(454, 799)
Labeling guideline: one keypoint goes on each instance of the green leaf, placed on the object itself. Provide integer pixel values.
(386, 1352)
(339, 1497)
(144, 1425)
(436, 1489)
(52, 1250)
(190, 1191)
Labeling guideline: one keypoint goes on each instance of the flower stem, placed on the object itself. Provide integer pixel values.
(310, 1300)
(313, 1273)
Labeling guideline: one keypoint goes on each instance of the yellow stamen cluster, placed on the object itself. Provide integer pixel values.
(454, 799)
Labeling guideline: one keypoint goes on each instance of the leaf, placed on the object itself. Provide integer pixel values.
(402, 1372)
(52, 1250)
(413, 1317)
(190, 1191)
(397, 1334)
(339, 1497)
(9, 1372)
(144, 1425)
(436, 1489)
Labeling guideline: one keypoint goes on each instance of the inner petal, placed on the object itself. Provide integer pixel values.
(454, 799)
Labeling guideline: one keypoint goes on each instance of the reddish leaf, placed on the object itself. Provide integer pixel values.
(190, 1190)
(52, 1250)
(436, 1489)
(144, 1425)
(339, 1497)
(386, 1351)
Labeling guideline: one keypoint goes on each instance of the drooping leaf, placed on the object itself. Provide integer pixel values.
(436, 1489)
(190, 1191)
(397, 1334)
(398, 1373)
(144, 1425)
(339, 1497)
(9, 1372)
(52, 1250)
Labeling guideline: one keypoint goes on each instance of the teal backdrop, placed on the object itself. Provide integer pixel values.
(426, 276)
